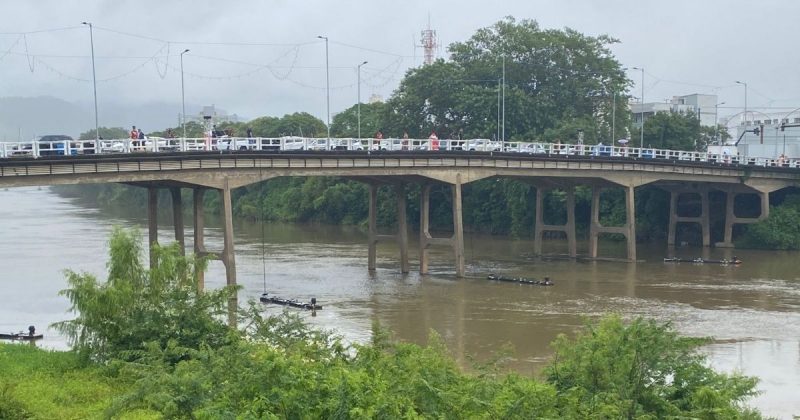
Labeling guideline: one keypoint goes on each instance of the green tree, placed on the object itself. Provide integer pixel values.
(105, 133)
(345, 123)
(642, 370)
(135, 306)
(673, 130)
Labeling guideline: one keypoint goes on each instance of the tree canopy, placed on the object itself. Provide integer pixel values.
(556, 82)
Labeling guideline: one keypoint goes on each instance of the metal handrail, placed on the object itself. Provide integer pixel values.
(227, 144)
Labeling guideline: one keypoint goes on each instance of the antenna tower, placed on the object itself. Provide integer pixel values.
(429, 43)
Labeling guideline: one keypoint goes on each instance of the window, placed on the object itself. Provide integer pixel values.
(797, 120)
(757, 122)
(775, 121)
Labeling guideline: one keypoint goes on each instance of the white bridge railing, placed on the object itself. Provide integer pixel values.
(156, 145)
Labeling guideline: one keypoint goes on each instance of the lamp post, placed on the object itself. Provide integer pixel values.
(613, 118)
(327, 87)
(358, 104)
(745, 102)
(716, 123)
(183, 97)
(641, 138)
(94, 85)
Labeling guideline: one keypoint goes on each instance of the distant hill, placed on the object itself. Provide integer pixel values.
(41, 115)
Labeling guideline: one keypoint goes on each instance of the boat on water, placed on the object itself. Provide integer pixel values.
(521, 280)
(266, 298)
(733, 261)
(29, 336)
(20, 336)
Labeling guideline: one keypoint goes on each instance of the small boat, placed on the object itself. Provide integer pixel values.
(265, 298)
(733, 261)
(20, 336)
(522, 280)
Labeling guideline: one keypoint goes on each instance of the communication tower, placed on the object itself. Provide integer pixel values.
(429, 43)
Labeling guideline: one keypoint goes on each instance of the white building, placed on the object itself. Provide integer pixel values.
(702, 106)
(775, 137)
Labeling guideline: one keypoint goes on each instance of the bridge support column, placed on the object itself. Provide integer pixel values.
(630, 206)
(731, 219)
(402, 227)
(152, 222)
(458, 228)
(199, 227)
(568, 228)
(373, 227)
(594, 222)
(228, 256)
(456, 241)
(628, 229)
(675, 218)
(177, 217)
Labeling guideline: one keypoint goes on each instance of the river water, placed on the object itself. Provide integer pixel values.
(752, 311)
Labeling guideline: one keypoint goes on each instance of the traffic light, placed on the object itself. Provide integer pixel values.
(756, 130)
(783, 126)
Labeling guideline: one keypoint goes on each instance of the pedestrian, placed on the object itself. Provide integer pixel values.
(434, 140)
(134, 135)
(405, 140)
(376, 144)
(249, 133)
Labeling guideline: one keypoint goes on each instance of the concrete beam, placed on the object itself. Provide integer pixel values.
(228, 255)
(152, 222)
(199, 234)
(177, 218)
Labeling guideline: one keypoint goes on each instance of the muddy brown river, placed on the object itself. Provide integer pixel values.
(752, 311)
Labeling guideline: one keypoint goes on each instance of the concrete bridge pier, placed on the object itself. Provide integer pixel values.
(152, 222)
(227, 256)
(628, 229)
(702, 219)
(456, 241)
(731, 218)
(568, 228)
(402, 227)
(177, 217)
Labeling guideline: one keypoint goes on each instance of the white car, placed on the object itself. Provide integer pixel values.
(483, 145)
(532, 148)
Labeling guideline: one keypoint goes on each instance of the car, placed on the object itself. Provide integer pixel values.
(55, 144)
(235, 143)
(483, 145)
(532, 148)
(601, 150)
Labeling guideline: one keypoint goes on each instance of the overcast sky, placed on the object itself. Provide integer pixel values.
(686, 46)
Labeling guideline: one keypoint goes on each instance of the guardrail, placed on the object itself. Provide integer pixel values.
(155, 145)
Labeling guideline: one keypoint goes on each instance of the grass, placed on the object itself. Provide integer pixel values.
(43, 384)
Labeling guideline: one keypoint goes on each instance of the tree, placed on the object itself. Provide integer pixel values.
(135, 306)
(642, 370)
(345, 123)
(672, 130)
(105, 133)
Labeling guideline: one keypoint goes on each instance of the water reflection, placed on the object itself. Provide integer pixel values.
(752, 310)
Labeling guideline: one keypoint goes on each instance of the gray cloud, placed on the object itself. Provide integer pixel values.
(685, 46)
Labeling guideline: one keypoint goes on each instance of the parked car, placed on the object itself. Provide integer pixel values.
(235, 143)
(54, 144)
(533, 148)
(483, 145)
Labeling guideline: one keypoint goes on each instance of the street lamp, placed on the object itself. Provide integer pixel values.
(94, 85)
(716, 123)
(641, 138)
(183, 97)
(358, 104)
(327, 86)
(745, 101)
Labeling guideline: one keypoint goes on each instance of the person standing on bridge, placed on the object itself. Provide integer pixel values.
(134, 135)
(434, 140)
(376, 144)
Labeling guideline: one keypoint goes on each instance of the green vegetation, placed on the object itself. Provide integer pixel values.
(780, 230)
(148, 345)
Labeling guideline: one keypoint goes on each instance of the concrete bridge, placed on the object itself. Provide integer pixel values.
(224, 171)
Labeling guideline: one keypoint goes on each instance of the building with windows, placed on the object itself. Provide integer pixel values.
(769, 135)
(702, 106)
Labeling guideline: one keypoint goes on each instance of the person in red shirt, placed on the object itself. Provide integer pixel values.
(434, 141)
(134, 135)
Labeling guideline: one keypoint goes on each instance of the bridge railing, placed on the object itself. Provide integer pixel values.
(291, 143)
